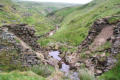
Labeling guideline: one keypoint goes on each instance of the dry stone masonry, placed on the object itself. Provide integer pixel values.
(25, 33)
(8, 35)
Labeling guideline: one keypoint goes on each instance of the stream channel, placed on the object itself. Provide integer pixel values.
(73, 75)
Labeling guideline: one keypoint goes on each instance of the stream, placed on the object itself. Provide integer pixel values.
(73, 75)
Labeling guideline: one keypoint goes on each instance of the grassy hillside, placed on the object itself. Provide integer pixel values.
(15, 13)
(58, 15)
(44, 8)
(76, 22)
(16, 75)
(31, 13)
(74, 25)
(7, 13)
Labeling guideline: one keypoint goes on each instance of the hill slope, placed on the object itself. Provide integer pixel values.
(76, 22)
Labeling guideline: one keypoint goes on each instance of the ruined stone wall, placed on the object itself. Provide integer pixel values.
(25, 33)
(8, 42)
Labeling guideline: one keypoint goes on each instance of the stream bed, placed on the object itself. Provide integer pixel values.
(73, 75)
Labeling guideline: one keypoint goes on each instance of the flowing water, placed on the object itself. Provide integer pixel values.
(65, 68)
(55, 55)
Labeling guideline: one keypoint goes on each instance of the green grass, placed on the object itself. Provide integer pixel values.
(76, 24)
(104, 46)
(114, 19)
(10, 16)
(6, 58)
(113, 74)
(42, 70)
(17, 75)
(85, 74)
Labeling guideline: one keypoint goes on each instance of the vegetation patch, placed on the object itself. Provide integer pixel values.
(114, 19)
(17, 75)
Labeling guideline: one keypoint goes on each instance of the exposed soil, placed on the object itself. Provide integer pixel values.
(103, 36)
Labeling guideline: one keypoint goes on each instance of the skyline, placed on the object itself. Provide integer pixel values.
(63, 1)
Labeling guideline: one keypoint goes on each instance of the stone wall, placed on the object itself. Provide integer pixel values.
(8, 43)
(25, 33)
